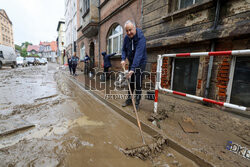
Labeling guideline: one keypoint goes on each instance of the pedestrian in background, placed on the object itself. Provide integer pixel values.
(86, 62)
(107, 63)
(70, 64)
(74, 60)
(134, 49)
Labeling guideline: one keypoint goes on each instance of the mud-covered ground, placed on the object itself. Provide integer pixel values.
(214, 126)
(71, 127)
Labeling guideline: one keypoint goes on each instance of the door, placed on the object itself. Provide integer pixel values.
(92, 55)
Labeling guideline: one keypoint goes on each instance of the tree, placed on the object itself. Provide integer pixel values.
(26, 44)
(17, 47)
(24, 52)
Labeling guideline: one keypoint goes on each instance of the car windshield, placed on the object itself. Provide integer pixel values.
(19, 58)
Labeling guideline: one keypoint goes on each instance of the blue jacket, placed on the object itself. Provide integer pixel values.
(106, 59)
(74, 59)
(138, 56)
(86, 58)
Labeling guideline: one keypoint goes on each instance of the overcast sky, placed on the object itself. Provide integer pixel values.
(34, 20)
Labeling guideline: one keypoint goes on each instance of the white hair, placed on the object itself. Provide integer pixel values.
(129, 21)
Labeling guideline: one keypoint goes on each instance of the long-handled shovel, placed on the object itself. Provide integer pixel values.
(146, 150)
(133, 102)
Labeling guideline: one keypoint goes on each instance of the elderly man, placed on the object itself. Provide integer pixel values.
(134, 49)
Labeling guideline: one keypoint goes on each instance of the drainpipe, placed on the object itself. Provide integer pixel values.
(141, 12)
(211, 58)
(99, 40)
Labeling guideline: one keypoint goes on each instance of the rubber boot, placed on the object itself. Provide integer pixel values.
(137, 102)
(127, 102)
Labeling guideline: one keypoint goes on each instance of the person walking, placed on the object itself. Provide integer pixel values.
(70, 64)
(134, 49)
(74, 60)
(86, 62)
(107, 63)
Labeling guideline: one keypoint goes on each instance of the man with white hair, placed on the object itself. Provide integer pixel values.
(134, 49)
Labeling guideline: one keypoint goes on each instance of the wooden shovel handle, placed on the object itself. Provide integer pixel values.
(133, 102)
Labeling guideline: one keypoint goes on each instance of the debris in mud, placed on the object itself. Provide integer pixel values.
(13, 125)
(47, 97)
(188, 125)
(161, 115)
(61, 84)
(148, 151)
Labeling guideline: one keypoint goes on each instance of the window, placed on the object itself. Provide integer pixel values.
(185, 75)
(1, 54)
(85, 6)
(186, 3)
(82, 52)
(114, 40)
(241, 82)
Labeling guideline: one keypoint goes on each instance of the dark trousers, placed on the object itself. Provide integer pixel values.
(106, 72)
(74, 68)
(70, 68)
(136, 81)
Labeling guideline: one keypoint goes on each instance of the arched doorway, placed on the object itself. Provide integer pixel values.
(92, 55)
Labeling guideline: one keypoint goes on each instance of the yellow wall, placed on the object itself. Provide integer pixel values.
(6, 31)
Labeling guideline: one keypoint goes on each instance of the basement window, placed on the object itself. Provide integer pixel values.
(184, 77)
(186, 3)
(240, 93)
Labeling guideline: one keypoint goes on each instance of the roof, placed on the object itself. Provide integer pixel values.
(59, 23)
(33, 47)
(52, 45)
(44, 43)
(4, 14)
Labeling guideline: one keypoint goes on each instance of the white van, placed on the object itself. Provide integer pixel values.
(7, 56)
(21, 61)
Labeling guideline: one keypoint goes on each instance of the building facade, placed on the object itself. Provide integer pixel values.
(70, 26)
(61, 58)
(48, 50)
(88, 31)
(112, 32)
(200, 26)
(101, 28)
(6, 30)
(33, 50)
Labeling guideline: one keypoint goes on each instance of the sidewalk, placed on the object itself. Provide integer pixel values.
(214, 126)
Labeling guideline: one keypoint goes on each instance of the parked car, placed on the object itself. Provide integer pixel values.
(40, 61)
(21, 61)
(45, 60)
(30, 60)
(7, 56)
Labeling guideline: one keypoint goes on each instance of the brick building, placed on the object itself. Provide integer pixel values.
(101, 28)
(87, 31)
(6, 31)
(113, 17)
(200, 26)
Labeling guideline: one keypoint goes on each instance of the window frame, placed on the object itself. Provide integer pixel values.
(82, 54)
(231, 78)
(112, 37)
(179, 4)
(173, 71)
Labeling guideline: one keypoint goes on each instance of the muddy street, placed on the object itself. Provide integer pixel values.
(47, 122)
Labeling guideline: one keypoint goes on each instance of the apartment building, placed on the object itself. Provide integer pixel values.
(184, 26)
(101, 28)
(70, 26)
(61, 57)
(6, 31)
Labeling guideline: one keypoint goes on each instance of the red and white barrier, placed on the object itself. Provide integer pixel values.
(198, 54)
(218, 53)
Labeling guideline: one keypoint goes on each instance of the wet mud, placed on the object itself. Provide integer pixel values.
(72, 128)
